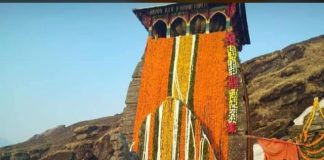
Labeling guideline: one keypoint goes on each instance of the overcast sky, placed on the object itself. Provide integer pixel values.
(64, 63)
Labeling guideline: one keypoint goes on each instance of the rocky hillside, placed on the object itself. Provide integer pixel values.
(280, 86)
(87, 140)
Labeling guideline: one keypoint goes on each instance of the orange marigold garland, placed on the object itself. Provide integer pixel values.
(233, 82)
(179, 135)
(210, 104)
(154, 82)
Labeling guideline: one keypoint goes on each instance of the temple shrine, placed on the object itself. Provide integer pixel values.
(192, 102)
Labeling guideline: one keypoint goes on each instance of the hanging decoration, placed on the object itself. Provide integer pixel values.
(313, 149)
(171, 119)
(196, 72)
(233, 78)
(315, 108)
(209, 89)
(182, 71)
(233, 81)
(154, 80)
(197, 81)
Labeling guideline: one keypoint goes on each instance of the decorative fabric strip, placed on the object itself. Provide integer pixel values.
(276, 150)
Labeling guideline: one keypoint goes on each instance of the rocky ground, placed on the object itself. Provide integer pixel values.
(280, 85)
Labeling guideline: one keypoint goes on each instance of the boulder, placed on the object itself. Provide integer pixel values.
(61, 155)
(85, 129)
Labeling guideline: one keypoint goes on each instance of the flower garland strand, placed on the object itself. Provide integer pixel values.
(209, 101)
(171, 118)
(310, 119)
(154, 81)
(182, 67)
(310, 149)
(177, 134)
(233, 82)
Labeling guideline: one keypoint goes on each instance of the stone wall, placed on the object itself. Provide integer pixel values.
(131, 103)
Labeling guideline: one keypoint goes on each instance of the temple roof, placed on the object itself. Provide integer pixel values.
(154, 6)
(173, 9)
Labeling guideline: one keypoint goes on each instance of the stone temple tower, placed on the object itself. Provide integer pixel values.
(187, 99)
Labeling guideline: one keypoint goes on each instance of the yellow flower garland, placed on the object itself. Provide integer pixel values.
(182, 69)
(233, 94)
